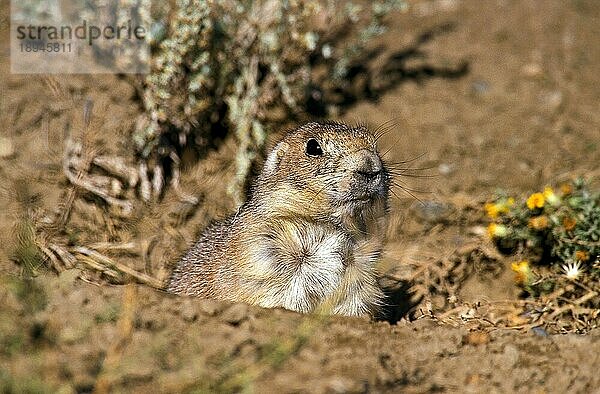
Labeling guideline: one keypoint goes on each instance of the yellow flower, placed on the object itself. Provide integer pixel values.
(581, 255)
(551, 197)
(566, 189)
(491, 210)
(497, 230)
(538, 222)
(536, 200)
(523, 274)
(569, 223)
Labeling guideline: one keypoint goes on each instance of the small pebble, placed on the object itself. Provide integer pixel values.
(480, 86)
(7, 148)
(70, 335)
(476, 338)
(539, 331)
(474, 379)
(477, 230)
(446, 169)
(532, 70)
(235, 314)
(339, 385)
(209, 307)
(552, 100)
(188, 311)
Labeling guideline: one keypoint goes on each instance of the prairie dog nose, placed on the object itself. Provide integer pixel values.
(366, 163)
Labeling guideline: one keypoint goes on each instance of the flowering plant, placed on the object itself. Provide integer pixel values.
(560, 228)
(559, 232)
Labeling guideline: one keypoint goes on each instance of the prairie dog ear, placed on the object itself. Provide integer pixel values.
(274, 158)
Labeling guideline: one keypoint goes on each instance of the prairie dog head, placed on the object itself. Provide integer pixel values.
(324, 170)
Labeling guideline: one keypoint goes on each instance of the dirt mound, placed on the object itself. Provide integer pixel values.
(70, 336)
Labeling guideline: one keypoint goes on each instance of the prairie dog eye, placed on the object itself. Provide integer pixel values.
(313, 148)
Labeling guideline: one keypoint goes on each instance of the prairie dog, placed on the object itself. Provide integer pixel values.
(310, 234)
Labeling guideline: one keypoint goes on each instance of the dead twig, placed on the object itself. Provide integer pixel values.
(54, 263)
(130, 247)
(125, 207)
(94, 265)
(116, 165)
(106, 263)
(67, 258)
(145, 185)
(175, 182)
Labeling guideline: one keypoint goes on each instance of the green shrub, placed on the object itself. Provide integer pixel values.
(559, 232)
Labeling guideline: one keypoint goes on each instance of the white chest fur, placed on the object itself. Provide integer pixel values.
(303, 266)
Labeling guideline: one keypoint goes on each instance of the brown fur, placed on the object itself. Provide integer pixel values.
(309, 235)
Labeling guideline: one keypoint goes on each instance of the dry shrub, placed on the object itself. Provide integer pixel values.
(246, 67)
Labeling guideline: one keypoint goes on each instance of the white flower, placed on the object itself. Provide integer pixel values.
(310, 40)
(572, 270)
(326, 51)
